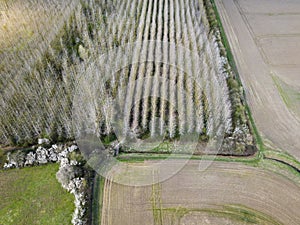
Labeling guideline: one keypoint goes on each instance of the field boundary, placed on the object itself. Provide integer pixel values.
(263, 153)
(97, 199)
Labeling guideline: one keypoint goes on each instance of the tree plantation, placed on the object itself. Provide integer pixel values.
(132, 68)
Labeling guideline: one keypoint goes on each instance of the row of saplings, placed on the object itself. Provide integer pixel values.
(71, 174)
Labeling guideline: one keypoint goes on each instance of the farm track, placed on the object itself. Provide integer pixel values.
(105, 219)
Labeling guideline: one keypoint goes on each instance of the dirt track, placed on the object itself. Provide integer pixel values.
(264, 37)
(193, 197)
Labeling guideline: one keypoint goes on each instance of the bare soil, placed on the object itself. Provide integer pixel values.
(264, 38)
(225, 193)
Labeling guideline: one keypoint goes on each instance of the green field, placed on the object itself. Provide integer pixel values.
(2, 157)
(34, 196)
(289, 94)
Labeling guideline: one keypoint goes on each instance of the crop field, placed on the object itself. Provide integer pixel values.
(34, 196)
(270, 71)
(241, 194)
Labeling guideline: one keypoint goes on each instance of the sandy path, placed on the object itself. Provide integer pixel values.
(221, 184)
(275, 122)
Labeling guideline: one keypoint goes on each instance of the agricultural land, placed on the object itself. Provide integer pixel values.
(149, 112)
